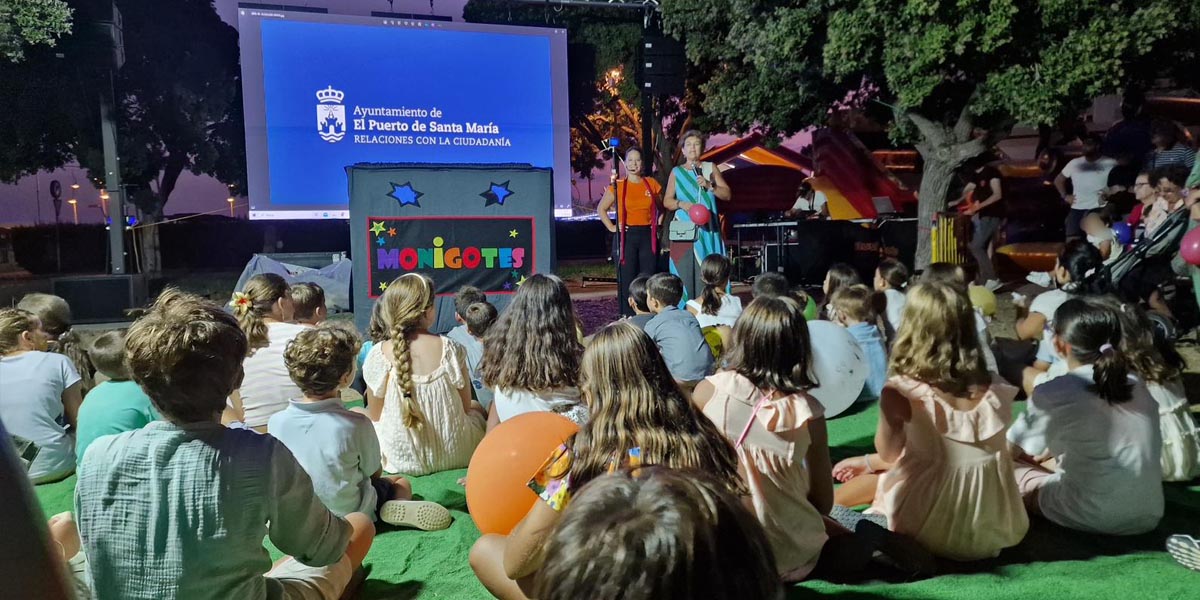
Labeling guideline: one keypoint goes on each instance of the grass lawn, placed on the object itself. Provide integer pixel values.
(1050, 563)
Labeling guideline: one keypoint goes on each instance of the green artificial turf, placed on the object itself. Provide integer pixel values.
(1051, 563)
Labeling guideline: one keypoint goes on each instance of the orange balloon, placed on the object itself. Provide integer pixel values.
(498, 494)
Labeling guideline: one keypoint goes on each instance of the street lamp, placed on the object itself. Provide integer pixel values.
(230, 200)
(74, 208)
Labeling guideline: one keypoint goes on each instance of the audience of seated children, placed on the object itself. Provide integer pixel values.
(264, 310)
(637, 302)
(838, 276)
(954, 276)
(854, 309)
(464, 299)
(946, 468)
(891, 278)
(117, 405)
(337, 447)
(1154, 359)
(480, 318)
(676, 332)
(531, 354)
(419, 387)
(716, 310)
(308, 304)
(1089, 442)
(1077, 262)
(40, 398)
(55, 316)
(762, 406)
(638, 416)
(179, 508)
(706, 544)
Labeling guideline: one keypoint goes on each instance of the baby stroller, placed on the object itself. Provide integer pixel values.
(1159, 248)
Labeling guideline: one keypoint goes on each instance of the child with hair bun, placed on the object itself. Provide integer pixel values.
(419, 386)
(264, 311)
(1100, 426)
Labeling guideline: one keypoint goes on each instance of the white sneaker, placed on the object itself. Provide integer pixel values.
(429, 516)
(1041, 278)
(992, 285)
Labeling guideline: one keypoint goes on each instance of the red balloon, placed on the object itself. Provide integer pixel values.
(699, 214)
(498, 495)
(1189, 248)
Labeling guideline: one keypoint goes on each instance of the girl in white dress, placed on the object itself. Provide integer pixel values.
(419, 390)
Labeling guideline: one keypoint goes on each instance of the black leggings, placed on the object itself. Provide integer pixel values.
(639, 260)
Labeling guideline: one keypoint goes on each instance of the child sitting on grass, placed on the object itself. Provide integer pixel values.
(638, 416)
(337, 447)
(419, 387)
(466, 297)
(1100, 426)
(117, 405)
(855, 310)
(264, 310)
(839, 275)
(531, 354)
(948, 481)
(308, 304)
(479, 319)
(954, 276)
(676, 332)
(891, 278)
(179, 508)
(778, 430)
(707, 545)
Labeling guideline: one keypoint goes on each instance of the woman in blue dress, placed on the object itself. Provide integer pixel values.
(693, 183)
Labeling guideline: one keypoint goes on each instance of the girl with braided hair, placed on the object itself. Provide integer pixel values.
(418, 386)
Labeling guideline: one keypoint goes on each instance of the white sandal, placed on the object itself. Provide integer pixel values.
(1186, 550)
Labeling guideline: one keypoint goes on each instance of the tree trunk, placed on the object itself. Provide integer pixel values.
(151, 248)
(935, 184)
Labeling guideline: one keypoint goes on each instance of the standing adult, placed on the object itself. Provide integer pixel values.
(1089, 177)
(694, 183)
(635, 247)
(984, 196)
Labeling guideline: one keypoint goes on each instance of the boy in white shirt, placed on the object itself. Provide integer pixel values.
(338, 448)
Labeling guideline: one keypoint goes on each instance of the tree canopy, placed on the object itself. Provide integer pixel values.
(956, 73)
(31, 23)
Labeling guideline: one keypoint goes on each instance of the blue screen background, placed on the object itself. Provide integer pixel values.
(469, 76)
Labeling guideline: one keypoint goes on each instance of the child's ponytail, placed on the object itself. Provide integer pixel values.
(1093, 331)
(256, 300)
(714, 272)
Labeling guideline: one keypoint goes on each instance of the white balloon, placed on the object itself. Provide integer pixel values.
(839, 365)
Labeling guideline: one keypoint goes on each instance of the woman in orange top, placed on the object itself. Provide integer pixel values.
(635, 249)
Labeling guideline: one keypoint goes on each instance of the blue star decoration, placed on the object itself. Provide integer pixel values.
(507, 285)
(497, 193)
(406, 195)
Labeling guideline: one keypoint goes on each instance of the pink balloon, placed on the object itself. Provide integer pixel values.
(699, 214)
(1189, 249)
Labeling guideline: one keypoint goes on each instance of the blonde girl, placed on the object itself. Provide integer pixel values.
(264, 312)
(418, 386)
(639, 417)
(941, 437)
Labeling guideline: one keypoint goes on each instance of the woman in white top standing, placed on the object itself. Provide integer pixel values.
(531, 354)
(39, 395)
(263, 309)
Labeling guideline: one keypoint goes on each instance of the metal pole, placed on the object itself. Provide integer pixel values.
(112, 179)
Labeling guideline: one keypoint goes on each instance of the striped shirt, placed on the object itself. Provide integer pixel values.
(1178, 154)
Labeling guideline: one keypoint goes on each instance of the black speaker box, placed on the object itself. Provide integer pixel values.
(101, 298)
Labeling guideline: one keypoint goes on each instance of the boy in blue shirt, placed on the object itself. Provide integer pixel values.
(853, 309)
(338, 448)
(677, 332)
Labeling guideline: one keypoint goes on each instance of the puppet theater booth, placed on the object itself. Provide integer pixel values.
(488, 226)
